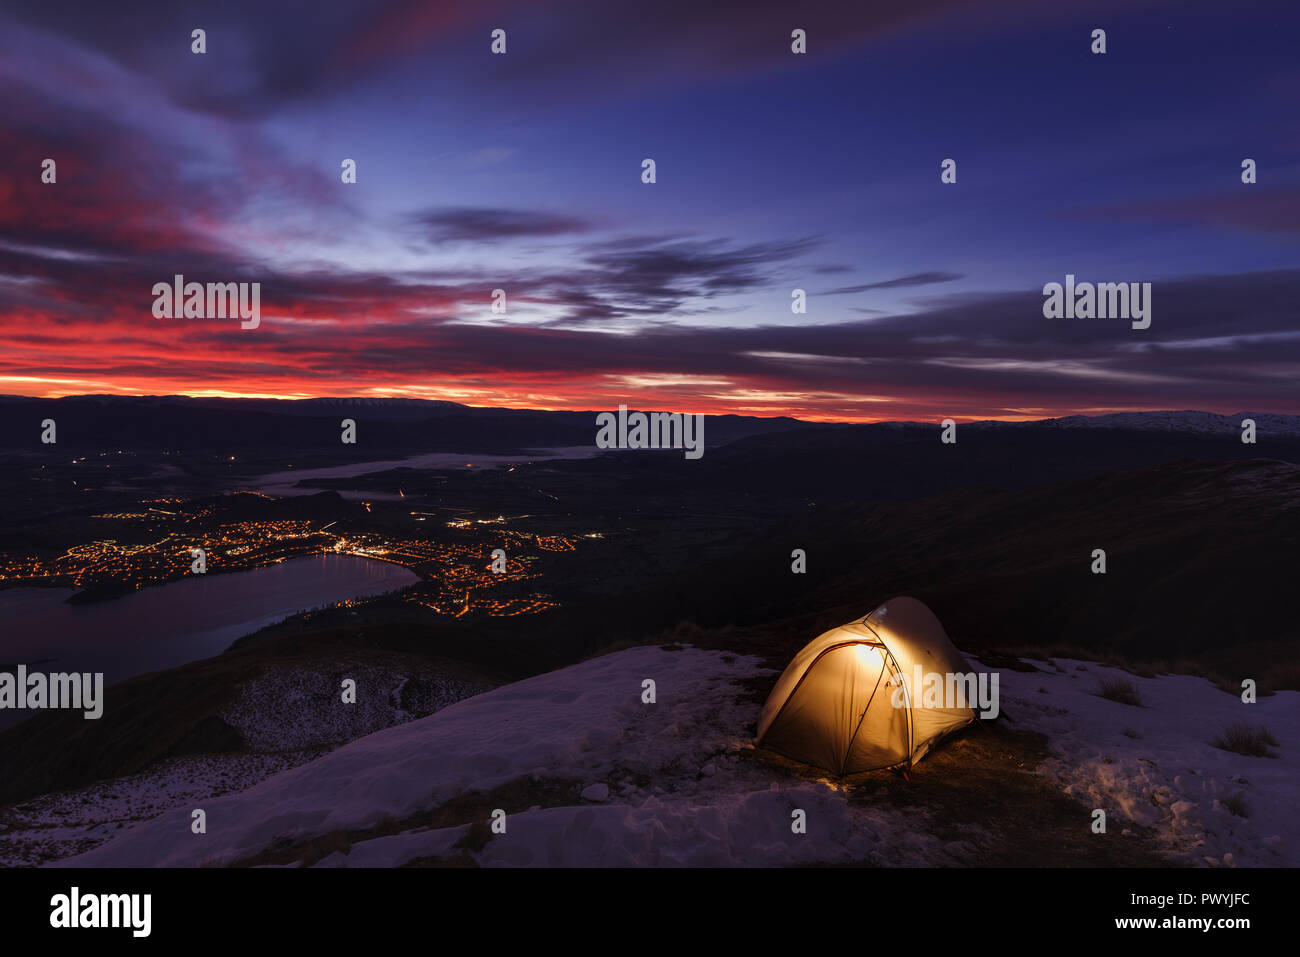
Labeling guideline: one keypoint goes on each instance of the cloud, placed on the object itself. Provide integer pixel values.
(1250, 208)
(915, 279)
(480, 225)
(264, 57)
(1218, 342)
(657, 277)
(166, 165)
(260, 56)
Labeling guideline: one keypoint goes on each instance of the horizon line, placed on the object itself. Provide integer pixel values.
(964, 419)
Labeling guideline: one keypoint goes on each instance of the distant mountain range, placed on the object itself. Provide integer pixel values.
(221, 424)
(1167, 421)
(384, 425)
(1164, 420)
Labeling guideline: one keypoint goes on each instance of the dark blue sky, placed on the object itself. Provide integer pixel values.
(775, 172)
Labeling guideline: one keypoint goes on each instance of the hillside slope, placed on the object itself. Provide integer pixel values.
(589, 774)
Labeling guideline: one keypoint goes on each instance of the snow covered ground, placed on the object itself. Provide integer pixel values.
(55, 826)
(1155, 764)
(663, 781)
(286, 716)
(672, 783)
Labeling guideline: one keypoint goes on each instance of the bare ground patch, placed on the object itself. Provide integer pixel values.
(980, 788)
(471, 807)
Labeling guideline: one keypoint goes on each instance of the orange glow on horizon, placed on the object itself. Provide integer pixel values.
(812, 408)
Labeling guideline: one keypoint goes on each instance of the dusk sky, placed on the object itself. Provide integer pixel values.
(775, 171)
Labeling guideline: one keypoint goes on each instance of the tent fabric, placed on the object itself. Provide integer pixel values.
(833, 706)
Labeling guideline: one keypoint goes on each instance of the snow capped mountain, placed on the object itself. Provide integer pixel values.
(1187, 421)
(1184, 421)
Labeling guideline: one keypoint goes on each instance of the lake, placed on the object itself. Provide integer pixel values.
(286, 482)
(168, 625)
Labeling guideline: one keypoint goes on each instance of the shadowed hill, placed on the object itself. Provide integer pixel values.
(174, 713)
(1200, 569)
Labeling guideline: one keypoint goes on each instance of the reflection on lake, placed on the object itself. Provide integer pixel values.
(167, 625)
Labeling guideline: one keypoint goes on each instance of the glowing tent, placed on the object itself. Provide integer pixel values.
(848, 701)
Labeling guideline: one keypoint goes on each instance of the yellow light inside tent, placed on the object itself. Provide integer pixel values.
(864, 654)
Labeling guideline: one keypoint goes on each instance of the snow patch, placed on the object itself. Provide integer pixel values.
(1156, 765)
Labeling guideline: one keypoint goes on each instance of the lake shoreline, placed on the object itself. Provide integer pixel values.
(169, 625)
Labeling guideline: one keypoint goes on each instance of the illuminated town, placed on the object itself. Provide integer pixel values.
(156, 543)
